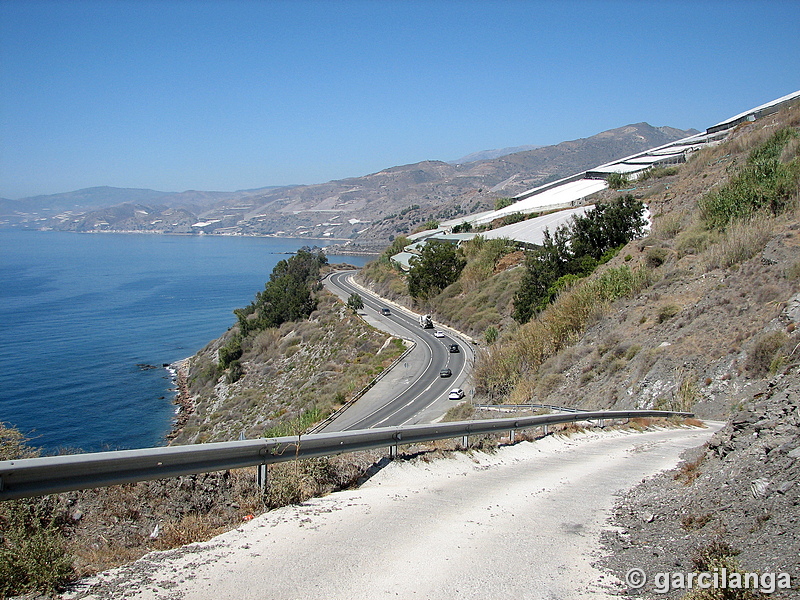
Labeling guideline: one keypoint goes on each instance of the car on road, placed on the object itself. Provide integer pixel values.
(385, 311)
(454, 348)
(456, 394)
(445, 373)
(438, 334)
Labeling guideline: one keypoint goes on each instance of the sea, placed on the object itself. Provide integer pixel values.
(88, 321)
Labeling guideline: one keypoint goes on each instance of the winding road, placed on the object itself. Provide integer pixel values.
(413, 392)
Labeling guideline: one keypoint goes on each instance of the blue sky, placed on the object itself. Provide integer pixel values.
(225, 95)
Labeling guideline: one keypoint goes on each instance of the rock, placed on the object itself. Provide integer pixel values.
(758, 487)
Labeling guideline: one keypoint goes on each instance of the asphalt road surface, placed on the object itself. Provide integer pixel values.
(523, 522)
(414, 392)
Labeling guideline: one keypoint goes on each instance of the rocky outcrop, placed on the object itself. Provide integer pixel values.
(740, 493)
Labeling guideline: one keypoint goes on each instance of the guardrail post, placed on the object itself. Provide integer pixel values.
(263, 476)
(512, 435)
(465, 442)
(545, 429)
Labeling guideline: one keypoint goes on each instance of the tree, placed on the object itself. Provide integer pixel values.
(574, 251)
(286, 296)
(543, 267)
(355, 302)
(608, 226)
(437, 266)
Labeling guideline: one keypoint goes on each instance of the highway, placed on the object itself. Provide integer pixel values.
(414, 392)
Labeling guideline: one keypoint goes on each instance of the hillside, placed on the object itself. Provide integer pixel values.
(687, 340)
(367, 211)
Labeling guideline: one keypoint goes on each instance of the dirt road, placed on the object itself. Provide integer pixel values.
(523, 522)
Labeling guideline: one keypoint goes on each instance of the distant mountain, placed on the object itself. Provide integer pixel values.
(368, 210)
(490, 154)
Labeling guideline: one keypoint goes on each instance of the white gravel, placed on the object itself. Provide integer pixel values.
(523, 522)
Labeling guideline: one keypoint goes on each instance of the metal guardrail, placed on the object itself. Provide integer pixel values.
(529, 406)
(49, 475)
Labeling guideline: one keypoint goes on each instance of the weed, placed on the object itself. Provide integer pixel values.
(690, 470)
(655, 257)
(33, 549)
(666, 312)
(743, 239)
(764, 355)
(763, 184)
(718, 557)
(695, 522)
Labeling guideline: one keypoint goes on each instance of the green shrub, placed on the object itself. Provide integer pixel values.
(235, 372)
(502, 203)
(230, 352)
(438, 265)
(617, 181)
(763, 184)
(576, 250)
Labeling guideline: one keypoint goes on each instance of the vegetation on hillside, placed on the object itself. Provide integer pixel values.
(437, 266)
(574, 251)
(33, 547)
(630, 357)
(711, 219)
(764, 184)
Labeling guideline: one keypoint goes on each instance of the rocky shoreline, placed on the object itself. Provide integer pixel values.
(183, 399)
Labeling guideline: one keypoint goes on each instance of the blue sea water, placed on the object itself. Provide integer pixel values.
(79, 314)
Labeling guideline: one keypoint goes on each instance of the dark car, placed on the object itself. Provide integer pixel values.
(445, 373)
(385, 311)
(454, 348)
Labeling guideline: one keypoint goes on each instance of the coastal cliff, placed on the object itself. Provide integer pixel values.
(291, 376)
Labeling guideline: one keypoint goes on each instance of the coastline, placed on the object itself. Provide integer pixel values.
(179, 371)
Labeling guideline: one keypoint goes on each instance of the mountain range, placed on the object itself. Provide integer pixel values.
(368, 210)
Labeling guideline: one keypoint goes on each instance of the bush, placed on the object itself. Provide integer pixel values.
(741, 241)
(498, 371)
(666, 312)
(574, 251)
(764, 353)
(617, 181)
(33, 549)
(287, 295)
(763, 184)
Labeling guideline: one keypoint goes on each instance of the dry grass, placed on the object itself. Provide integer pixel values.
(741, 241)
(689, 471)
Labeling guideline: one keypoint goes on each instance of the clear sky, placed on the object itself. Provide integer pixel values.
(225, 95)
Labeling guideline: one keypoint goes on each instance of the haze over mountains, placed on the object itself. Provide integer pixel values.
(364, 210)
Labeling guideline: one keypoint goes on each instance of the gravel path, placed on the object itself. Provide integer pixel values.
(523, 522)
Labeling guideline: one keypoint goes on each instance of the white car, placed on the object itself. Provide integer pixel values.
(456, 394)
(438, 334)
